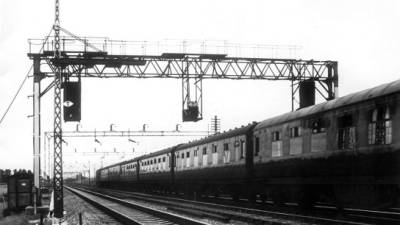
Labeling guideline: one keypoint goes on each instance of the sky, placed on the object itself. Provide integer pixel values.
(362, 35)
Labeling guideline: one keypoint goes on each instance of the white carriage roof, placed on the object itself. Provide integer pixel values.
(381, 90)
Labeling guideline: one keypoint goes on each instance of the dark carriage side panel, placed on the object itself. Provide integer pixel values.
(172, 164)
(156, 177)
(249, 155)
(396, 120)
(210, 175)
(334, 168)
(138, 171)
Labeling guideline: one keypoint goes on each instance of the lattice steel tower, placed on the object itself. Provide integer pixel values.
(58, 169)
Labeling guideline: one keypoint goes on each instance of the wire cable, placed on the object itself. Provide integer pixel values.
(23, 81)
(16, 94)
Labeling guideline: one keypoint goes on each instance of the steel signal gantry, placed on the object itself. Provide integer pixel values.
(192, 69)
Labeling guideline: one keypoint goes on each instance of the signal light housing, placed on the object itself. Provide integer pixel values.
(72, 101)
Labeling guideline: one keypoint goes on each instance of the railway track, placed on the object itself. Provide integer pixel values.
(233, 214)
(130, 213)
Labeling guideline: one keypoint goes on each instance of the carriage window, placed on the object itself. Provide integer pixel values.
(226, 147)
(242, 149)
(195, 152)
(346, 132)
(318, 126)
(163, 159)
(214, 148)
(257, 145)
(205, 151)
(294, 132)
(183, 155)
(276, 144)
(380, 126)
(227, 154)
(187, 154)
(276, 136)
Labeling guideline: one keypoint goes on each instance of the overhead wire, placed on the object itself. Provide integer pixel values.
(23, 81)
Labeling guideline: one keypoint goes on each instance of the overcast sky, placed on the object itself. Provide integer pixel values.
(363, 36)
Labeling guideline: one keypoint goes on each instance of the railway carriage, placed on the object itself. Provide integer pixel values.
(129, 171)
(344, 152)
(110, 176)
(155, 171)
(216, 164)
(117, 175)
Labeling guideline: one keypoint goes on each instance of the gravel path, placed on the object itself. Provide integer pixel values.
(74, 205)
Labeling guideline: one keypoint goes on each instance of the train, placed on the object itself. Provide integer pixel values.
(343, 152)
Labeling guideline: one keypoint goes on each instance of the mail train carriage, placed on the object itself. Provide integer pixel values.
(344, 151)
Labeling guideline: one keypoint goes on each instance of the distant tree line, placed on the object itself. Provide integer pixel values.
(4, 174)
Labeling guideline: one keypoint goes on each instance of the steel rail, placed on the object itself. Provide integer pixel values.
(158, 213)
(213, 207)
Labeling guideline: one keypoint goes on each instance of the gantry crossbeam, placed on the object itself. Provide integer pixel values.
(205, 66)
